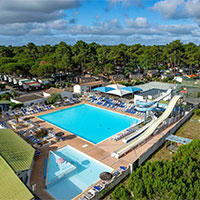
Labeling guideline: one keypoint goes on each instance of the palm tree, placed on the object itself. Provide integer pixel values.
(16, 117)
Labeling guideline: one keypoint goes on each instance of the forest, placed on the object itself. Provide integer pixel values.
(32, 60)
(175, 179)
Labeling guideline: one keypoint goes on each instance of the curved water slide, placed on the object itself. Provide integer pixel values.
(152, 104)
(127, 147)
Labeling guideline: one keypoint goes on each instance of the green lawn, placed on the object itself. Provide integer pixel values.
(190, 130)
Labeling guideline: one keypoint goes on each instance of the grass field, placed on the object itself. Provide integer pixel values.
(190, 130)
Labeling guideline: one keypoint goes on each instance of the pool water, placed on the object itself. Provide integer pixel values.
(85, 174)
(89, 122)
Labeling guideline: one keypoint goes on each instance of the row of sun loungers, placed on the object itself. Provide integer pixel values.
(30, 110)
(115, 104)
(123, 133)
(101, 185)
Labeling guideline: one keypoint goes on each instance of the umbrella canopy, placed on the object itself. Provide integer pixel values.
(105, 176)
(119, 92)
(60, 160)
(132, 89)
(103, 89)
(59, 134)
(116, 86)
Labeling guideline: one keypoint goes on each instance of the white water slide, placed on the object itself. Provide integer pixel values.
(127, 147)
(155, 101)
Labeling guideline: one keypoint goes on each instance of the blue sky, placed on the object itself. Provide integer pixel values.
(107, 22)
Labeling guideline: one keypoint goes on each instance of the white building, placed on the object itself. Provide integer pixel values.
(29, 99)
(84, 87)
(63, 93)
(151, 94)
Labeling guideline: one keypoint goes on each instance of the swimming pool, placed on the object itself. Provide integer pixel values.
(85, 172)
(89, 122)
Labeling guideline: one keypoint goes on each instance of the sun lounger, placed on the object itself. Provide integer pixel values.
(97, 188)
(83, 198)
(123, 168)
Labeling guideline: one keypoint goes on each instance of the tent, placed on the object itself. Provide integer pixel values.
(103, 89)
(119, 92)
(132, 89)
(116, 86)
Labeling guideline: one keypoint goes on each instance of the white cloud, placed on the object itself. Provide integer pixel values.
(168, 8)
(179, 9)
(140, 22)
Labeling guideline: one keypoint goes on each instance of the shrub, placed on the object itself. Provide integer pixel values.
(2, 86)
(15, 105)
(176, 179)
(197, 112)
(41, 133)
(53, 98)
(121, 192)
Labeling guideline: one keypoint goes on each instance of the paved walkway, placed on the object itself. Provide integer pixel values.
(101, 151)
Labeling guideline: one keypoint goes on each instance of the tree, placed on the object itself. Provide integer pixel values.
(121, 192)
(53, 98)
(176, 179)
(192, 56)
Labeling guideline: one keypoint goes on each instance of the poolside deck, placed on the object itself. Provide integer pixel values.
(101, 151)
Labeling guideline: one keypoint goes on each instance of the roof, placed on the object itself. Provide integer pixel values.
(33, 83)
(54, 90)
(152, 92)
(154, 84)
(91, 84)
(177, 139)
(11, 186)
(28, 97)
(17, 153)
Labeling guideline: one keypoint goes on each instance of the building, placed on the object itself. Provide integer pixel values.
(151, 94)
(11, 186)
(117, 77)
(63, 93)
(153, 73)
(136, 76)
(157, 85)
(29, 99)
(84, 87)
(4, 105)
(17, 153)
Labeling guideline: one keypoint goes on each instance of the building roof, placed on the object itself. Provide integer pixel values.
(154, 84)
(11, 186)
(29, 97)
(54, 90)
(17, 153)
(91, 84)
(33, 83)
(177, 139)
(152, 92)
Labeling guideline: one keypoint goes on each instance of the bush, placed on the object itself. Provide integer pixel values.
(53, 98)
(197, 112)
(121, 192)
(176, 179)
(2, 86)
(15, 105)
(41, 133)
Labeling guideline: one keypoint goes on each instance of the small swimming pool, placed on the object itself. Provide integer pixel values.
(89, 122)
(71, 177)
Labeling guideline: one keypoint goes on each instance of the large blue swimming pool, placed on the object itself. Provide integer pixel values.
(89, 122)
(77, 173)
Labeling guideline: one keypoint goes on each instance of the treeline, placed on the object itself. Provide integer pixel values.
(82, 57)
(176, 179)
